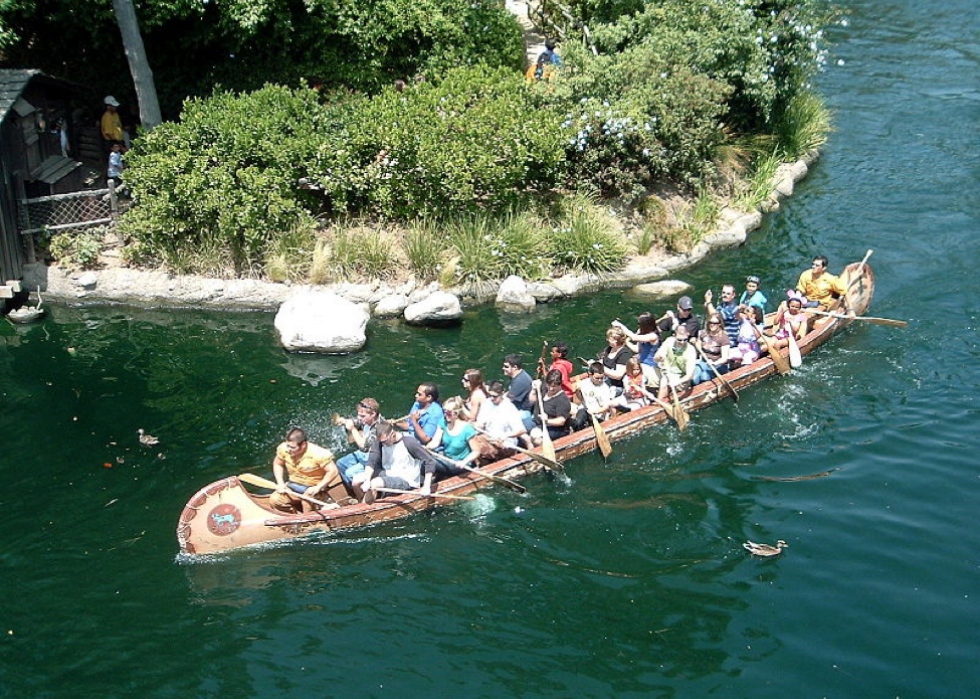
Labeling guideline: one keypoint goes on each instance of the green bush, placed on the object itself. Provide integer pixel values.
(586, 239)
(228, 172)
(475, 141)
(77, 249)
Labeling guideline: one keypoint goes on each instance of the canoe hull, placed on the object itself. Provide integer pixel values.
(223, 515)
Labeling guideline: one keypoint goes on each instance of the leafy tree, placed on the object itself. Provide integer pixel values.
(243, 44)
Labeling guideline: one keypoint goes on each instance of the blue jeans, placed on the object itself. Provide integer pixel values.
(352, 464)
(704, 373)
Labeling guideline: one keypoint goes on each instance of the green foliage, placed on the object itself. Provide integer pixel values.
(803, 126)
(476, 249)
(764, 50)
(476, 140)
(289, 256)
(586, 239)
(78, 249)
(226, 173)
(645, 238)
(357, 252)
(423, 248)
(759, 184)
(243, 44)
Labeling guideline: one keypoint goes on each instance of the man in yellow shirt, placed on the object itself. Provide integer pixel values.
(303, 467)
(819, 286)
(112, 129)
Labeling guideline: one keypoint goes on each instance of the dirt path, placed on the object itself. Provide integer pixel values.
(533, 40)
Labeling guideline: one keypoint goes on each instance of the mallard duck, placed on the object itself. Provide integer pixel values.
(147, 440)
(765, 549)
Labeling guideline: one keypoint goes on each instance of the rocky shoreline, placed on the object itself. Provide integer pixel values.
(153, 288)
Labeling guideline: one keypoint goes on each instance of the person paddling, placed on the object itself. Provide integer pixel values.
(820, 287)
(790, 321)
(677, 360)
(362, 431)
(303, 467)
(396, 461)
(425, 416)
(459, 440)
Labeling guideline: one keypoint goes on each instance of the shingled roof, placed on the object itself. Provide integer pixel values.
(12, 84)
(14, 81)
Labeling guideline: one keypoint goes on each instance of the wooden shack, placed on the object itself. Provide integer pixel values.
(42, 153)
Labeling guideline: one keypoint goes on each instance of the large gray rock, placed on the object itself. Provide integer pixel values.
(440, 308)
(544, 293)
(662, 289)
(514, 295)
(321, 322)
(391, 306)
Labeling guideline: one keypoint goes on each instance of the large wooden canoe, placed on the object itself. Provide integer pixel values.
(223, 515)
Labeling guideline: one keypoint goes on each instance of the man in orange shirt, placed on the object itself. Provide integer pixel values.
(303, 467)
(819, 286)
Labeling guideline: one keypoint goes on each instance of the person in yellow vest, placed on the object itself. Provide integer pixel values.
(303, 467)
(111, 125)
(819, 286)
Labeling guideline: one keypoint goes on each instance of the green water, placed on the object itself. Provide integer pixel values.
(627, 580)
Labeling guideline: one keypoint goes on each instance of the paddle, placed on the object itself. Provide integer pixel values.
(795, 356)
(860, 272)
(550, 464)
(680, 415)
(489, 476)
(782, 364)
(668, 408)
(272, 485)
(547, 446)
(423, 495)
(726, 382)
(601, 438)
(867, 319)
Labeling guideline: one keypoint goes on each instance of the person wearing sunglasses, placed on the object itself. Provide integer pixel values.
(714, 344)
(502, 422)
(458, 439)
(677, 360)
(819, 286)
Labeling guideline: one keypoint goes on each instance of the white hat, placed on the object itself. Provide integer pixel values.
(111, 101)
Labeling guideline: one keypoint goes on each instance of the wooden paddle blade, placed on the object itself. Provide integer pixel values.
(252, 479)
(601, 438)
(795, 356)
(548, 448)
(782, 364)
(883, 321)
(445, 496)
(681, 416)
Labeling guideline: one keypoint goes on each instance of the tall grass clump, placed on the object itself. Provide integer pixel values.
(758, 186)
(523, 242)
(803, 126)
(423, 249)
(478, 256)
(586, 239)
(289, 255)
(353, 252)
